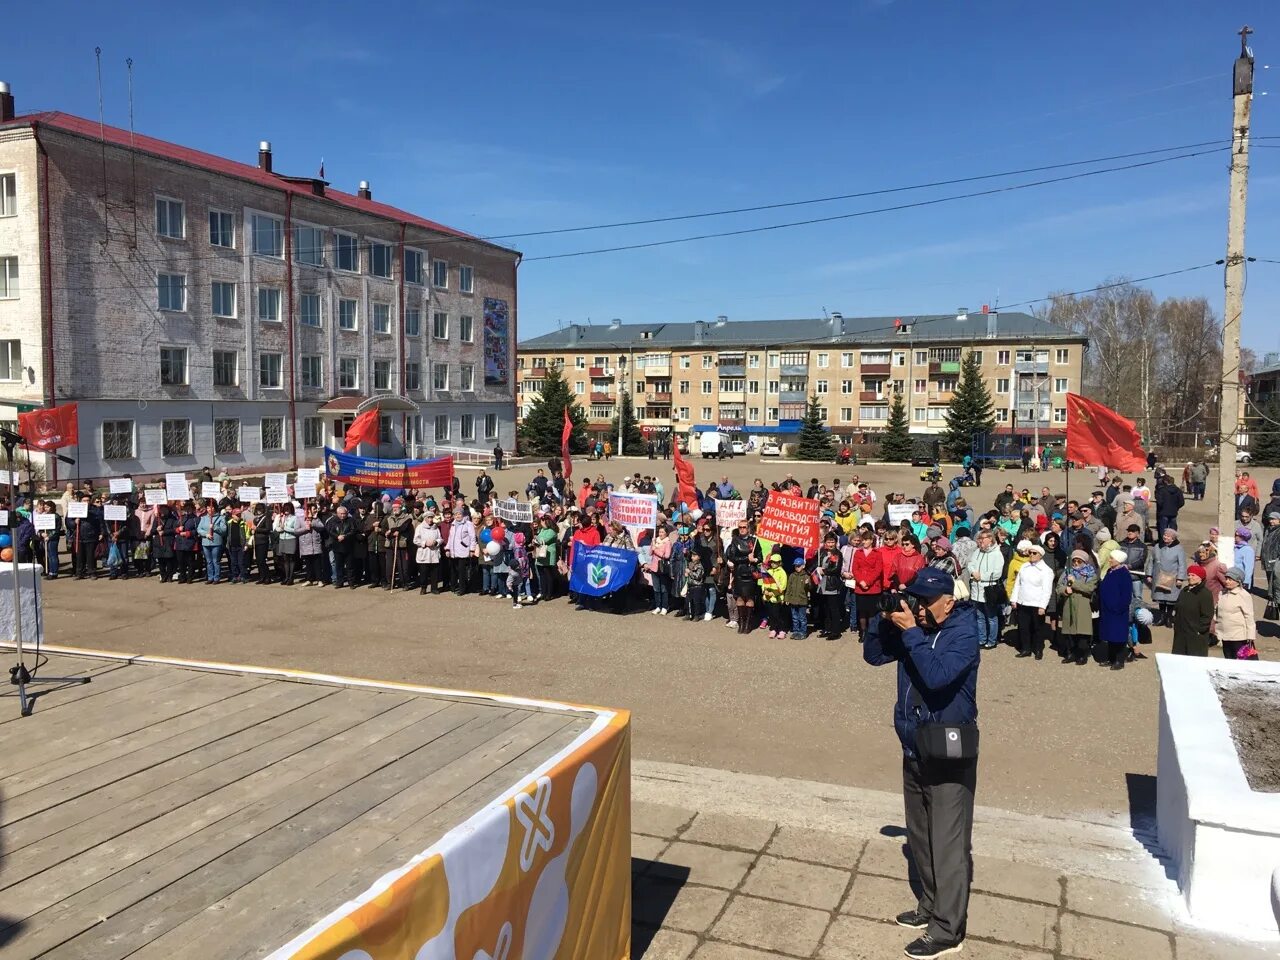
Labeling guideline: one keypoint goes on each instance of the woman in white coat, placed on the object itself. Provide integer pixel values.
(430, 544)
(1032, 592)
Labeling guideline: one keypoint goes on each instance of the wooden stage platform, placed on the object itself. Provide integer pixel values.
(174, 811)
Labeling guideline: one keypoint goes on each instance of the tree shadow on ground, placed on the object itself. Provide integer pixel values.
(654, 888)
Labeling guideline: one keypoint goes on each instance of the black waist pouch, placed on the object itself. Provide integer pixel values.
(939, 741)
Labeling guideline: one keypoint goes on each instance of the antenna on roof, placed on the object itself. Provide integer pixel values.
(102, 138)
(133, 158)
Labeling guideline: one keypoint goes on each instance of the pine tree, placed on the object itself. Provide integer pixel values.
(896, 446)
(540, 431)
(815, 439)
(972, 410)
(1264, 438)
(633, 442)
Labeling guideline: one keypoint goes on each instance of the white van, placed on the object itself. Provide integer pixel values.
(712, 444)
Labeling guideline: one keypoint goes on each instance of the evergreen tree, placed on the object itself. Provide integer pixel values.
(815, 439)
(540, 431)
(633, 441)
(972, 410)
(896, 445)
(1264, 438)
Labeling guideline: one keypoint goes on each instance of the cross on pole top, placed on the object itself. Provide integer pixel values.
(1244, 39)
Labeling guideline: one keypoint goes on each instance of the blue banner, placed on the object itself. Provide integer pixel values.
(599, 571)
(372, 472)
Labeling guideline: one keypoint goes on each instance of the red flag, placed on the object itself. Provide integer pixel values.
(1100, 436)
(50, 429)
(363, 428)
(564, 445)
(686, 491)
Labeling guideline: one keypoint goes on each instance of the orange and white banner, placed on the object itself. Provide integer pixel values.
(542, 873)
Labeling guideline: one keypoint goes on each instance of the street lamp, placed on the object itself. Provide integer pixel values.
(622, 369)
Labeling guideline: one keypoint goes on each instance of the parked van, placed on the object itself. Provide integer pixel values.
(715, 445)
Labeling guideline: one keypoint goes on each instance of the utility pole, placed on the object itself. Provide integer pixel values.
(1229, 409)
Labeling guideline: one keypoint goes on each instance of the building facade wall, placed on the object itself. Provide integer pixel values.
(21, 310)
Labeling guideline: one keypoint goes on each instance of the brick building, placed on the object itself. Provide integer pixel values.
(207, 312)
(756, 376)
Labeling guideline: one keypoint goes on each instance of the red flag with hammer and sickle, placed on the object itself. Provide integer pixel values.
(51, 428)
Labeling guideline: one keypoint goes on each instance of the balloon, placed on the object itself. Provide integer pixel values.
(492, 548)
(485, 535)
(5, 540)
(499, 532)
(695, 514)
(6, 554)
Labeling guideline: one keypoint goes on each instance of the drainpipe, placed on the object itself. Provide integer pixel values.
(46, 299)
(403, 392)
(288, 274)
(515, 339)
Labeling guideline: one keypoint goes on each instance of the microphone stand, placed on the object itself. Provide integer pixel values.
(19, 675)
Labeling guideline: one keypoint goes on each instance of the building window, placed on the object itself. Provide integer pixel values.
(684, 363)
(1060, 385)
(899, 358)
(413, 266)
(311, 372)
(1059, 414)
(773, 386)
(1002, 385)
(824, 361)
(753, 386)
(820, 386)
(732, 385)
(268, 236)
(348, 373)
(226, 368)
(846, 414)
(579, 387)
(308, 246)
(173, 366)
(346, 314)
(773, 360)
(917, 414)
(846, 359)
(226, 435)
(442, 428)
(269, 304)
(467, 427)
(707, 360)
(1002, 414)
(271, 430)
(440, 325)
(222, 229)
(8, 278)
(309, 309)
(466, 331)
(977, 356)
(466, 377)
(1002, 358)
(922, 357)
(171, 218)
(117, 439)
(706, 388)
(8, 194)
(440, 274)
(382, 374)
(753, 414)
(381, 318)
(921, 386)
(347, 252)
(706, 413)
(269, 365)
(312, 432)
(413, 375)
(439, 376)
(466, 279)
(684, 386)
(10, 360)
(175, 438)
(380, 259)
(846, 386)
(223, 297)
(773, 413)
(1060, 356)
(491, 426)
(753, 361)
(413, 323)
(172, 288)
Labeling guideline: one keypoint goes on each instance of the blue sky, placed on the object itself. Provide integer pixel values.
(502, 118)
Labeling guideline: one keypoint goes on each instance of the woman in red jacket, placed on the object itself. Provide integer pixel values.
(908, 563)
(867, 572)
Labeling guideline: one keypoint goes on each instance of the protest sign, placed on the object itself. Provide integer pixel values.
(249, 494)
(901, 511)
(4, 518)
(599, 571)
(115, 511)
(513, 511)
(175, 487)
(77, 510)
(303, 489)
(120, 485)
(388, 474)
(277, 495)
(45, 521)
(638, 510)
(790, 519)
(155, 496)
(210, 490)
(729, 512)
(311, 474)
(276, 480)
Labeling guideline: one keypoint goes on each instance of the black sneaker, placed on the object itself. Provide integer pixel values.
(913, 919)
(926, 946)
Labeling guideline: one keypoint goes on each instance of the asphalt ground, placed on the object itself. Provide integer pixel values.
(1057, 740)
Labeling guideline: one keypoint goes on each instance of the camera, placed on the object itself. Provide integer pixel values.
(891, 602)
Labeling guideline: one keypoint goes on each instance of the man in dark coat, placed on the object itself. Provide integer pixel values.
(340, 530)
(484, 487)
(1169, 500)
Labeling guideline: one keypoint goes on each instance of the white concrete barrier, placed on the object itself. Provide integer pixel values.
(29, 583)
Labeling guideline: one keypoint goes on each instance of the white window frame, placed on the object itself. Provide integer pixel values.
(391, 259)
(303, 297)
(491, 432)
(824, 361)
(466, 278)
(9, 289)
(133, 439)
(181, 355)
(308, 364)
(276, 233)
(1002, 384)
(436, 315)
(339, 238)
(377, 364)
(239, 436)
(1060, 385)
(216, 235)
(1061, 356)
(310, 426)
(413, 376)
(181, 453)
(317, 248)
(262, 435)
(235, 367)
(706, 413)
(279, 302)
(467, 329)
(9, 193)
(413, 329)
(385, 329)
(441, 435)
(440, 268)
(1059, 414)
(437, 383)
(182, 278)
(467, 428)
(355, 314)
(417, 278)
(11, 353)
(467, 377)
(1002, 358)
(354, 383)
(279, 370)
(214, 285)
(168, 203)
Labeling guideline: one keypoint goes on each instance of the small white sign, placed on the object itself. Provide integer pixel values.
(120, 485)
(277, 495)
(45, 521)
(77, 510)
(175, 487)
(210, 490)
(249, 494)
(115, 511)
(155, 496)
(308, 473)
(276, 480)
(4, 518)
(901, 511)
(304, 488)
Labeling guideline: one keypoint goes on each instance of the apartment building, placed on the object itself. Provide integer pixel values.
(756, 376)
(208, 312)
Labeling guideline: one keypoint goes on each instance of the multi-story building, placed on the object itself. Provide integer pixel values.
(207, 312)
(756, 376)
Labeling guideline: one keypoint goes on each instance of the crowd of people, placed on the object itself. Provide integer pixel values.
(1041, 571)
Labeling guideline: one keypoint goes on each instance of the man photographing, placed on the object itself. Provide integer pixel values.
(934, 641)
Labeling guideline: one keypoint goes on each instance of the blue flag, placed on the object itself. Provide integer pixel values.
(599, 571)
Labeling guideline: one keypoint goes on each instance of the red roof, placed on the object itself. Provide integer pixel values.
(231, 168)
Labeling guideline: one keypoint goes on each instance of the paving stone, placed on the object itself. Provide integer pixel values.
(729, 951)
(675, 906)
(979, 950)
(1092, 939)
(646, 848)
(669, 945)
(878, 898)
(1118, 901)
(885, 858)
(771, 926)
(1012, 921)
(817, 846)
(1023, 880)
(658, 820)
(1191, 947)
(721, 830)
(711, 866)
(853, 938)
(793, 882)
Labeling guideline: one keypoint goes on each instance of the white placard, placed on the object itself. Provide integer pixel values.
(901, 511)
(304, 488)
(513, 511)
(4, 518)
(249, 494)
(155, 496)
(308, 473)
(120, 485)
(45, 521)
(210, 490)
(276, 480)
(115, 511)
(175, 487)
(77, 510)
(729, 512)
(277, 495)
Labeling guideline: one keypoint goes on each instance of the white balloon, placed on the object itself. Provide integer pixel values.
(493, 548)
